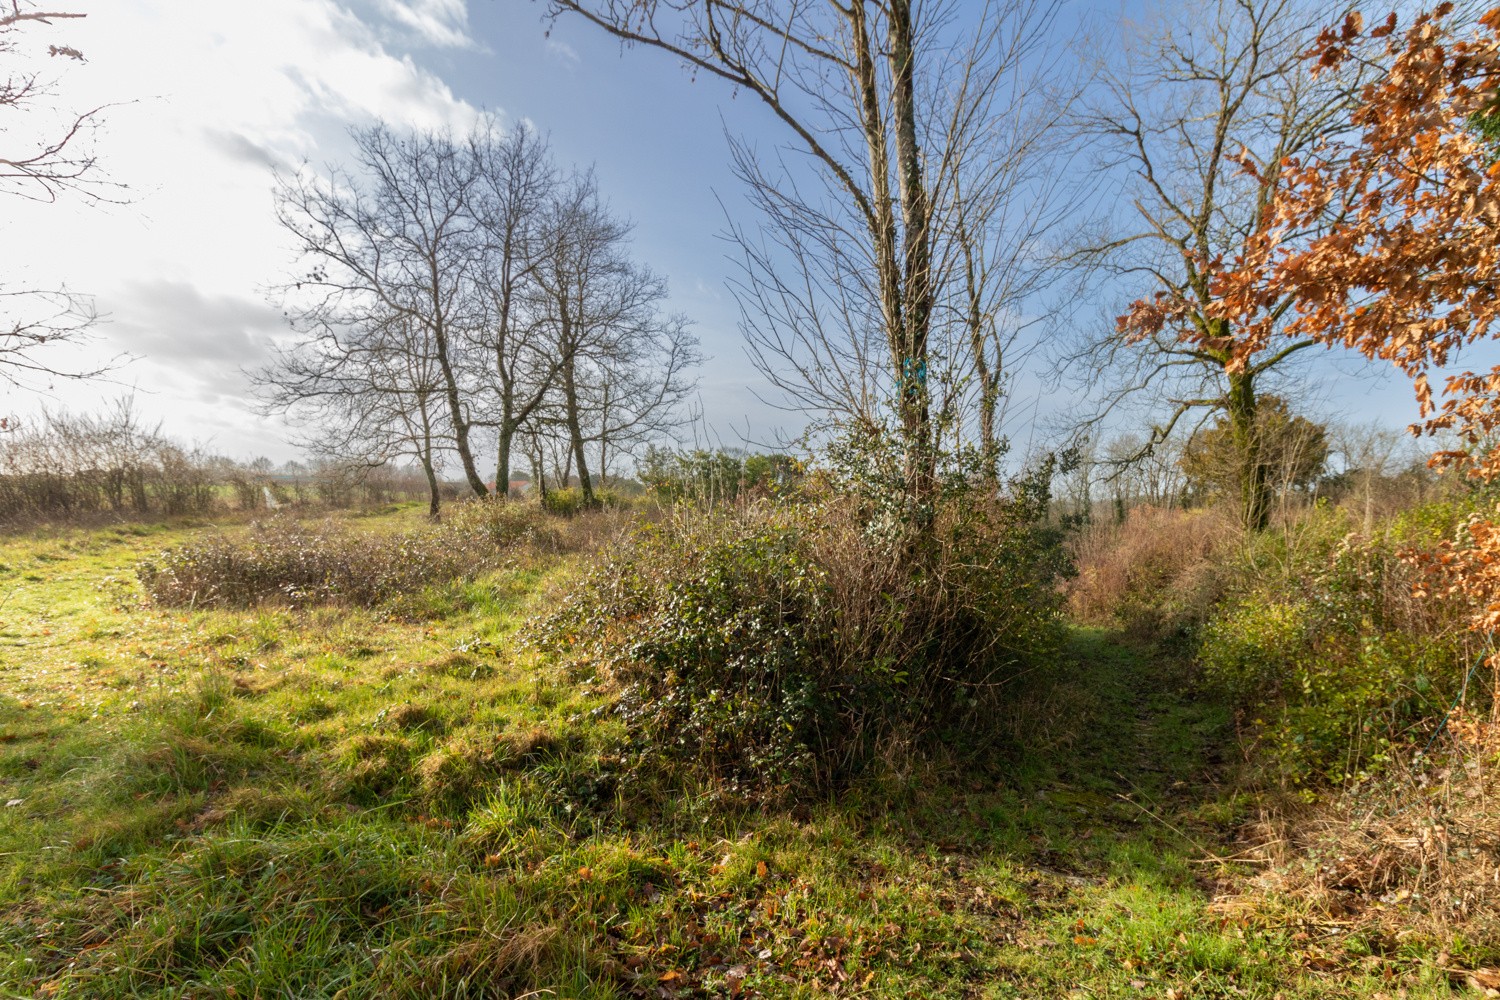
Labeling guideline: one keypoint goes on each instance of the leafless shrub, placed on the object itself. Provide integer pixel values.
(1154, 573)
(289, 561)
(66, 465)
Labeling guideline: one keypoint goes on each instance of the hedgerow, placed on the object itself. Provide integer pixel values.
(768, 649)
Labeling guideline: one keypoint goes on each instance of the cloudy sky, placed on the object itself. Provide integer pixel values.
(207, 97)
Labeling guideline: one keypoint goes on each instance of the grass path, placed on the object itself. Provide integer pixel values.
(349, 803)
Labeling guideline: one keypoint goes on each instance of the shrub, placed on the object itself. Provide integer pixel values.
(1157, 574)
(565, 502)
(1323, 646)
(283, 559)
(1252, 648)
(769, 649)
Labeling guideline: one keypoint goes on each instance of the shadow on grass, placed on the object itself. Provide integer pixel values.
(204, 848)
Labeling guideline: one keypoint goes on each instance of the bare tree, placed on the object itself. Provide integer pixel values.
(998, 225)
(368, 396)
(46, 319)
(459, 288)
(515, 185)
(1200, 116)
(622, 366)
(42, 166)
(396, 241)
(840, 293)
(642, 386)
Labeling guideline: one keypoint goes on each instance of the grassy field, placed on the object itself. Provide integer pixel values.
(410, 802)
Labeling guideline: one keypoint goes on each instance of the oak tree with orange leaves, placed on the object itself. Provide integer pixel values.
(1411, 275)
(1200, 115)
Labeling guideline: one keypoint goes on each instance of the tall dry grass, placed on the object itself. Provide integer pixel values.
(1411, 858)
(1159, 571)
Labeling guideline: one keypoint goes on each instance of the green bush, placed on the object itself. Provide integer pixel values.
(1252, 648)
(1351, 663)
(770, 649)
(565, 502)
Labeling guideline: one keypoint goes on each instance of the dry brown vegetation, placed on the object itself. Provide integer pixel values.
(293, 562)
(1153, 573)
(1410, 859)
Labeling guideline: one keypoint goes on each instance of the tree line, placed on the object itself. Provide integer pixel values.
(967, 189)
(457, 291)
(114, 462)
(976, 184)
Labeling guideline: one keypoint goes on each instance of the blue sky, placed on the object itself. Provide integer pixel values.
(210, 95)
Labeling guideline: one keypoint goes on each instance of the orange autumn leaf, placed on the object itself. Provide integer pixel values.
(1407, 272)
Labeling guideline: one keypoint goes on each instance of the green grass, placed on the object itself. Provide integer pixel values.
(349, 803)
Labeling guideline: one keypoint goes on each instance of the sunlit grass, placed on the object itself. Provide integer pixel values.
(408, 802)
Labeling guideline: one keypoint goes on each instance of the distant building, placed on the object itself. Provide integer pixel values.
(519, 489)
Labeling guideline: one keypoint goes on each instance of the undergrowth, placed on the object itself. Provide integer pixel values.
(769, 650)
(286, 560)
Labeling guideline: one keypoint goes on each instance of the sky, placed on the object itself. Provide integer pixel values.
(207, 97)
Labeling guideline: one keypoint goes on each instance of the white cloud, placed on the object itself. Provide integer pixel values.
(443, 23)
(562, 52)
(209, 97)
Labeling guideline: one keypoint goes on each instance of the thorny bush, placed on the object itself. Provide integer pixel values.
(769, 649)
(286, 560)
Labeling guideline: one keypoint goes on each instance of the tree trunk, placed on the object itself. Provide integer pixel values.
(906, 331)
(1254, 484)
(502, 457)
(540, 473)
(455, 404)
(916, 249)
(434, 497)
(575, 432)
(604, 436)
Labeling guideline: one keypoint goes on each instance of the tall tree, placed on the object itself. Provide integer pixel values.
(1200, 116)
(622, 365)
(1411, 275)
(515, 184)
(880, 97)
(396, 240)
